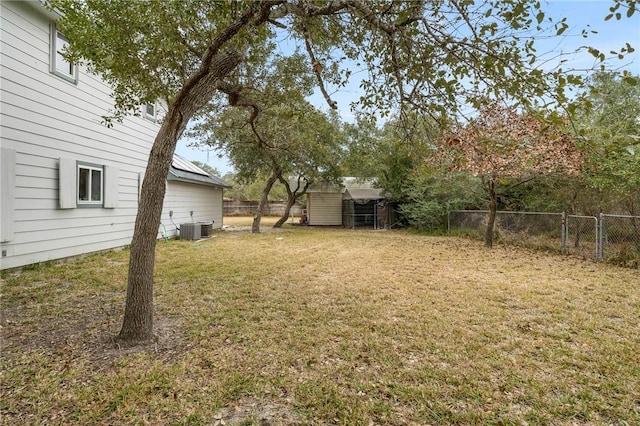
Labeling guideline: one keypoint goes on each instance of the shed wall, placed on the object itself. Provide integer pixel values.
(324, 208)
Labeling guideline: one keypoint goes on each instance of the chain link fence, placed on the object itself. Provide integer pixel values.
(581, 236)
(526, 229)
(613, 238)
(620, 239)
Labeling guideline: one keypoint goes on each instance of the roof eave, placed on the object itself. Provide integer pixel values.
(40, 7)
(175, 178)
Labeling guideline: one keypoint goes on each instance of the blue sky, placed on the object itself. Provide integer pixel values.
(612, 34)
(581, 14)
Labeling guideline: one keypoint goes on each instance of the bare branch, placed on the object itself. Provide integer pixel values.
(316, 67)
(277, 24)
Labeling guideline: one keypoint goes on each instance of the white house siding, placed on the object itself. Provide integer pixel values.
(182, 198)
(324, 208)
(44, 118)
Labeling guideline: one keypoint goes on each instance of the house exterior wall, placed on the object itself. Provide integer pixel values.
(181, 198)
(324, 208)
(46, 121)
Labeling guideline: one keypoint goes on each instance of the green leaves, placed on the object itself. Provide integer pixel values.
(287, 135)
(148, 50)
(596, 54)
(561, 27)
(630, 5)
(607, 122)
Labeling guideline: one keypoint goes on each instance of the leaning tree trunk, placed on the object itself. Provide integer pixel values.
(138, 316)
(287, 209)
(493, 212)
(292, 197)
(264, 198)
(137, 324)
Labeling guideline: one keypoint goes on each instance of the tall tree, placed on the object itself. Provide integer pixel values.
(431, 54)
(609, 128)
(501, 146)
(271, 129)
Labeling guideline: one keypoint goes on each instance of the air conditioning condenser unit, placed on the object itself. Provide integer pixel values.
(190, 231)
(206, 229)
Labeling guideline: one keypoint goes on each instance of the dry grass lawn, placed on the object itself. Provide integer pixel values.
(314, 326)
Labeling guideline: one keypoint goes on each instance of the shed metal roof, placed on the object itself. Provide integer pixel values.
(345, 183)
(363, 194)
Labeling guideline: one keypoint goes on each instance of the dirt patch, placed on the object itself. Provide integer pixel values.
(168, 343)
(88, 334)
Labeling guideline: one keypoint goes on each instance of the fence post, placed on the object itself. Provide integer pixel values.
(375, 217)
(449, 222)
(601, 230)
(563, 234)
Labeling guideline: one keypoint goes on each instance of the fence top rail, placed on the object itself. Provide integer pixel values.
(619, 216)
(506, 212)
(577, 216)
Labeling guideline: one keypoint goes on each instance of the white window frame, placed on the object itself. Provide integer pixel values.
(68, 184)
(89, 202)
(58, 65)
(151, 116)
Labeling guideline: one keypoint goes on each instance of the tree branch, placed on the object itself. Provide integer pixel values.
(316, 67)
(236, 99)
(212, 66)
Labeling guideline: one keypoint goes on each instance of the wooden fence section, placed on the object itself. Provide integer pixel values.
(250, 208)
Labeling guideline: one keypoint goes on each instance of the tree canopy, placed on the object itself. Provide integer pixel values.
(609, 127)
(436, 55)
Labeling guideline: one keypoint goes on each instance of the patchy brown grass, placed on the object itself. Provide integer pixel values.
(314, 326)
(265, 221)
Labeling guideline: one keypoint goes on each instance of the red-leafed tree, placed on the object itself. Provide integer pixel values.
(503, 145)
